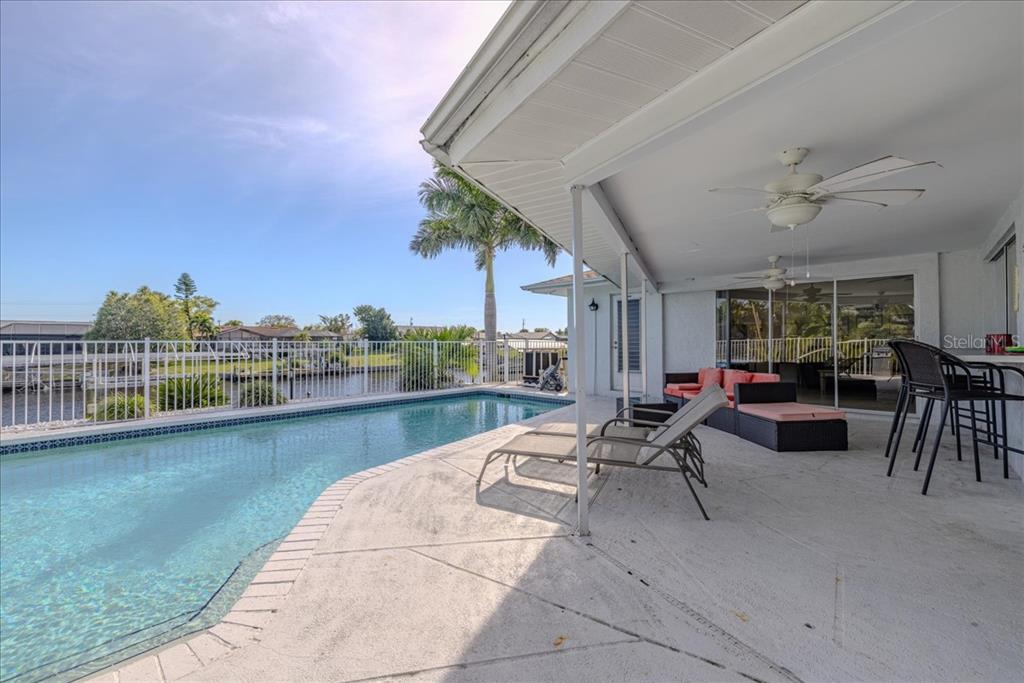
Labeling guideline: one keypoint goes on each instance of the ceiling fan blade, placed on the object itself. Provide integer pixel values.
(829, 199)
(741, 190)
(739, 213)
(884, 197)
(866, 173)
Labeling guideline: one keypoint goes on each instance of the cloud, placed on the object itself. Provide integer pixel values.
(330, 93)
(345, 86)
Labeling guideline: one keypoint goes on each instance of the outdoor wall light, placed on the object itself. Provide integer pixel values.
(592, 305)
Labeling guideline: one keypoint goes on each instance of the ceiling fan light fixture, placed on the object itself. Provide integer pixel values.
(774, 284)
(792, 212)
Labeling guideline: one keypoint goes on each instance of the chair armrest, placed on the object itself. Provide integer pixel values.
(680, 377)
(630, 421)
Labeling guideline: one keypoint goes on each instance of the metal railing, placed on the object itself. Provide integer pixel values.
(62, 383)
(856, 356)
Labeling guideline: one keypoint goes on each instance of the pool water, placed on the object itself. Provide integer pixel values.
(110, 548)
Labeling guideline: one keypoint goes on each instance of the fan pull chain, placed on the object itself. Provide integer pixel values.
(808, 253)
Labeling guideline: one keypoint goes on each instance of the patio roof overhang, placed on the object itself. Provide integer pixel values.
(648, 104)
(605, 123)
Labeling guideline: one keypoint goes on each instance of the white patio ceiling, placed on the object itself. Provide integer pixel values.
(651, 103)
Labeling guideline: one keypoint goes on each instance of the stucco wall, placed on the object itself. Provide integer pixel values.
(689, 335)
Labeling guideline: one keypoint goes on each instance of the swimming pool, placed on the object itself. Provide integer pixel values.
(111, 548)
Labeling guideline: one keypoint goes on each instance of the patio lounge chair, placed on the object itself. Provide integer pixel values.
(675, 442)
(645, 419)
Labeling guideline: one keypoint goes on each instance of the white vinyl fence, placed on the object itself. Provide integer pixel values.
(60, 383)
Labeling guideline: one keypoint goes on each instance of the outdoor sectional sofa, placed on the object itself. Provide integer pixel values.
(764, 410)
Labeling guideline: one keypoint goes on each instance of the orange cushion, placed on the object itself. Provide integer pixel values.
(730, 378)
(764, 378)
(671, 390)
(681, 387)
(791, 412)
(707, 377)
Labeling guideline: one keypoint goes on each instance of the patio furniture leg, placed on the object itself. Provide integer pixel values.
(955, 418)
(896, 417)
(974, 441)
(693, 492)
(1006, 446)
(899, 434)
(993, 428)
(487, 461)
(926, 415)
(922, 431)
(935, 452)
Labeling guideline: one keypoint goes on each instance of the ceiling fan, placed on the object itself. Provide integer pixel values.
(772, 279)
(797, 198)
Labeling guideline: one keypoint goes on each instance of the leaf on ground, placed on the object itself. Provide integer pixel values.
(742, 616)
(560, 640)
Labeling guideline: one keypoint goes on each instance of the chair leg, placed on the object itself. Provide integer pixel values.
(935, 452)
(993, 430)
(955, 418)
(693, 492)
(899, 434)
(920, 424)
(487, 461)
(922, 430)
(974, 441)
(1006, 445)
(896, 418)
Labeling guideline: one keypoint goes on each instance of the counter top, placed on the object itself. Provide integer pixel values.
(1016, 359)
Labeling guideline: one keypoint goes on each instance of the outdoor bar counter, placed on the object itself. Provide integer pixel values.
(1014, 409)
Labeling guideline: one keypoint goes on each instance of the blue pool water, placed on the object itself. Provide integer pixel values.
(110, 548)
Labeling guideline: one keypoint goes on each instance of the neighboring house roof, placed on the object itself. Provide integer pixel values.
(44, 327)
(262, 331)
(561, 285)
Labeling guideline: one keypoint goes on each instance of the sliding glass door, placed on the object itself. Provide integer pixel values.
(829, 338)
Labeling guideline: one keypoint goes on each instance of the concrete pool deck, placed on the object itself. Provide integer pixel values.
(814, 566)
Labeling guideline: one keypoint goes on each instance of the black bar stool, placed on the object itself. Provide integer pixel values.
(932, 374)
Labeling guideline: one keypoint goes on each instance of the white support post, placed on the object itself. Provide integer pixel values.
(579, 361)
(624, 320)
(273, 370)
(643, 338)
(145, 378)
(771, 334)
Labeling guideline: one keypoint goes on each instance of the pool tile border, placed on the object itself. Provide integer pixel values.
(245, 621)
(124, 434)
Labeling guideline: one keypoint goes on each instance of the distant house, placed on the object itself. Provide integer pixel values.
(42, 331)
(256, 333)
(520, 340)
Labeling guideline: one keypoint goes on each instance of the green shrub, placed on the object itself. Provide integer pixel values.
(259, 393)
(121, 407)
(194, 391)
(337, 360)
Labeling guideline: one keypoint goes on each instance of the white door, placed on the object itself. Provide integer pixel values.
(634, 345)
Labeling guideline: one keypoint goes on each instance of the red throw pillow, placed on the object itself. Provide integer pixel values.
(710, 377)
(731, 378)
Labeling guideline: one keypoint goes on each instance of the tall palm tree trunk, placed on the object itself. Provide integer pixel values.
(490, 307)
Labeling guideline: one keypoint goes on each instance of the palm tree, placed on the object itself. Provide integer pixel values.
(462, 216)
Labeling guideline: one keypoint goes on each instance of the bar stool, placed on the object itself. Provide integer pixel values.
(932, 374)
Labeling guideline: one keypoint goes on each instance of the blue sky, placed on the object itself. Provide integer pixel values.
(270, 150)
